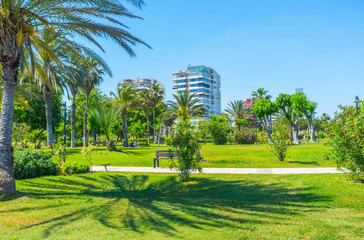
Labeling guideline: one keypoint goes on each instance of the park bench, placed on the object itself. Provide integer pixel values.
(162, 154)
(105, 165)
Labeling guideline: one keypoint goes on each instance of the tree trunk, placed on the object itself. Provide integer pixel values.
(296, 139)
(154, 140)
(85, 140)
(148, 123)
(73, 116)
(10, 80)
(48, 97)
(125, 129)
(311, 130)
(267, 124)
(94, 137)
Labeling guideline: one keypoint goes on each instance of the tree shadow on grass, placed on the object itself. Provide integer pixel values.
(138, 204)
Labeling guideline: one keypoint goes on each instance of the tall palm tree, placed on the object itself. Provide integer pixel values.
(126, 100)
(94, 70)
(186, 106)
(261, 93)
(21, 23)
(144, 96)
(238, 111)
(156, 96)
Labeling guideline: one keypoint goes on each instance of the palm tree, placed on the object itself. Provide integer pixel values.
(185, 105)
(144, 96)
(239, 111)
(126, 100)
(104, 117)
(94, 69)
(156, 96)
(21, 23)
(261, 93)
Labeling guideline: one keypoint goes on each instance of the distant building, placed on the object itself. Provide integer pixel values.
(299, 90)
(204, 82)
(144, 83)
(249, 103)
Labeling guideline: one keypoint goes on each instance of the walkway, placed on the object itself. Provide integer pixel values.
(223, 170)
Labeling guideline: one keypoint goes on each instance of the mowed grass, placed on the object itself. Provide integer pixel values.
(157, 206)
(222, 156)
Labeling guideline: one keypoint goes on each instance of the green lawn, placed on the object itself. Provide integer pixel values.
(230, 156)
(156, 206)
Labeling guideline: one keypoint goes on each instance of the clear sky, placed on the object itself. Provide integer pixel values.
(317, 45)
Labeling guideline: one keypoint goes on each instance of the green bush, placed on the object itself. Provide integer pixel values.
(77, 143)
(30, 164)
(246, 136)
(75, 168)
(346, 140)
(219, 129)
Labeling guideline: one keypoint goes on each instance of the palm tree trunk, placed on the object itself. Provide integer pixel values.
(48, 97)
(148, 123)
(10, 80)
(73, 117)
(94, 137)
(125, 129)
(85, 142)
(154, 140)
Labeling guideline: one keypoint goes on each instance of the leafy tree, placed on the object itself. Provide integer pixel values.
(144, 95)
(21, 24)
(284, 102)
(156, 96)
(219, 129)
(304, 106)
(237, 110)
(264, 109)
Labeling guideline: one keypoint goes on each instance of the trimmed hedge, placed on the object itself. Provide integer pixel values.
(31, 164)
(75, 168)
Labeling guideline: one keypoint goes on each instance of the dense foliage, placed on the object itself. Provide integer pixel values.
(30, 164)
(346, 139)
(219, 129)
(185, 145)
(280, 140)
(246, 136)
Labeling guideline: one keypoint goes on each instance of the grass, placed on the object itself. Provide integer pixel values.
(223, 156)
(156, 206)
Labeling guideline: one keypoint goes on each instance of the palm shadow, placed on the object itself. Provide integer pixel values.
(160, 206)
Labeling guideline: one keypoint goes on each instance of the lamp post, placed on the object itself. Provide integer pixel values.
(64, 107)
(357, 101)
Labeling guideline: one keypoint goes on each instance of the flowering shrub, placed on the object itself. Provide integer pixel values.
(246, 136)
(87, 153)
(185, 144)
(61, 155)
(346, 139)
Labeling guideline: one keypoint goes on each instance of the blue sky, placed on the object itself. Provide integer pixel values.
(280, 45)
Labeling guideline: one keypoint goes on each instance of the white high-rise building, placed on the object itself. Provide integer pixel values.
(144, 83)
(204, 82)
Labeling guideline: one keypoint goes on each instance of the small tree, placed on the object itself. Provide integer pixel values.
(87, 153)
(61, 156)
(219, 129)
(280, 140)
(346, 140)
(185, 144)
(264, 109)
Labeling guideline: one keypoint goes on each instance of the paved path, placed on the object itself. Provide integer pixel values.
(223, 170)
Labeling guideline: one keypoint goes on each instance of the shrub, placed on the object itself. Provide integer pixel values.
(87, 153)
(346, 140)
(185, 144)
(75, 168)
(77, 143)
(61, 156)
(219, 129)
(246, 136)
(30, 164)
(280, 140)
